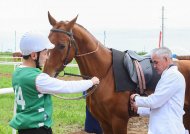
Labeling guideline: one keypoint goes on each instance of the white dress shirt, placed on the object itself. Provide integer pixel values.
(165, 105)
(48, 85)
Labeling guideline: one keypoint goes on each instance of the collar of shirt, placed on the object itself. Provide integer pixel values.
(170, 67)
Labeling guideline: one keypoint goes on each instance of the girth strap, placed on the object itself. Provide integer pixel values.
(140, 76)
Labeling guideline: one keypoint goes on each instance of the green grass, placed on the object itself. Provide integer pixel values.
(6, 112)
(6, 69)
(5, 82)
(65, 113)
(6, 75)
(68, 115)
(5, 54)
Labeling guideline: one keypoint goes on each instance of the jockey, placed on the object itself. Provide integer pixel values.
(33, 88)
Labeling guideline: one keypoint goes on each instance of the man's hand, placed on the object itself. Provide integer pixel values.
(132, 101)
(132, 97)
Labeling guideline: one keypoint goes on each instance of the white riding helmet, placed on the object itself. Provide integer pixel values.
(34, 42)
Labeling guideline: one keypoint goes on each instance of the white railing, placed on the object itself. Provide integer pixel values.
(10, 57)
(9, 63)
(6, 90)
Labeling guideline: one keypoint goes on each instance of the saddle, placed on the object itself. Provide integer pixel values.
(139, 68)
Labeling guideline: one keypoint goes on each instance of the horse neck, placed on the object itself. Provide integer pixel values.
(91, 64)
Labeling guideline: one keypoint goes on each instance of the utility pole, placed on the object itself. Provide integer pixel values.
(15, 40)
(163, 26)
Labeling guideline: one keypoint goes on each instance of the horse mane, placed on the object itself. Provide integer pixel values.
(85, 30)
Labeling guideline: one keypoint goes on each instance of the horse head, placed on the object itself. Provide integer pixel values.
(72, 40)
(65, 48)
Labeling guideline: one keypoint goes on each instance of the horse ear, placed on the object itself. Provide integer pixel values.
(72, 22)
(52, 21)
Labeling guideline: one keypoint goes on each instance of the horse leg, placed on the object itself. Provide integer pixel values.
(120, 115)
(119, 126)
(107, 129)
(186, 117)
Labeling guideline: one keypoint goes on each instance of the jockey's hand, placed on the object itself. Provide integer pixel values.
(95, 80)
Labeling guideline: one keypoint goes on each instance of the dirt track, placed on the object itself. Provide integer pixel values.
(137, 125)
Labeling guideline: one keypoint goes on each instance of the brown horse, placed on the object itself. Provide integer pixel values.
(110, 108)
(184, 68)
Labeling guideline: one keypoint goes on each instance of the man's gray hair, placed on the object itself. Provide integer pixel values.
(163, 51)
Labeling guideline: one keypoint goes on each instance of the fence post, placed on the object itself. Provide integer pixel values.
(14, 112)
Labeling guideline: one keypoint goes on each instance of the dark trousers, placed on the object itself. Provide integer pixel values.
(41, 130)
(91, 124)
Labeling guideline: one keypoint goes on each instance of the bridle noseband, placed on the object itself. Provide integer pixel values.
(71, 42)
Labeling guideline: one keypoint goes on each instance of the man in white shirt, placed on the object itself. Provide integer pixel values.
(165, 106)
(33, 88)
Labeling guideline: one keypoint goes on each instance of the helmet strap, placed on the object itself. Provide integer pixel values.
(37, 61)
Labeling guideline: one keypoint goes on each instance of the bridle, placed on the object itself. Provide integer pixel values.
(71, 42)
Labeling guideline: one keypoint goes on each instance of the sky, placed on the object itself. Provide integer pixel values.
(136, 23)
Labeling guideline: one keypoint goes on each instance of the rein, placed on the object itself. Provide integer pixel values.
(86, 94)
(81, 97)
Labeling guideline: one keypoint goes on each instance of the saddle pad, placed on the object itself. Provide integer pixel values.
(121, 76)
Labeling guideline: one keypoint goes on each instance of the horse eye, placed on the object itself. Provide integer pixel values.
(61, 46)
